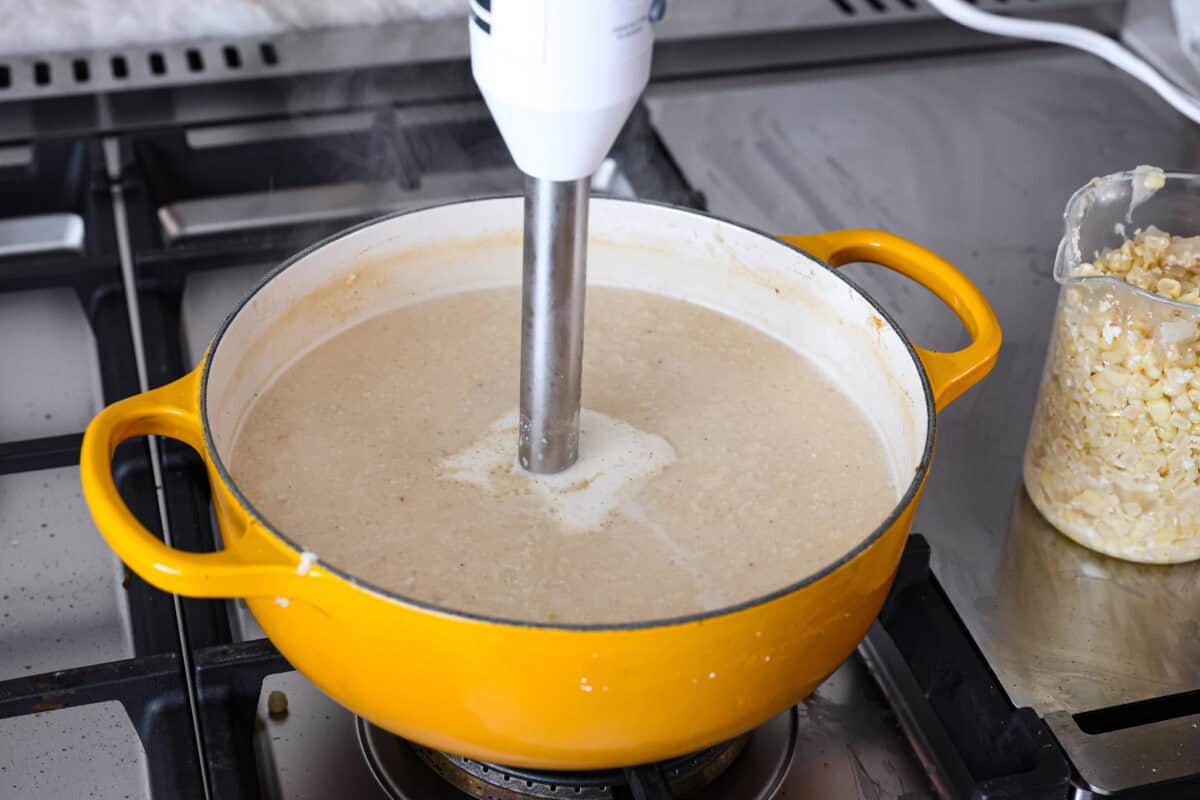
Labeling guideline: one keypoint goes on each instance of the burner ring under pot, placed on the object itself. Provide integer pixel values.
(679, 776)
(407, 771)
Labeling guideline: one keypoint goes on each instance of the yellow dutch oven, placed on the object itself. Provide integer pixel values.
(552, 696)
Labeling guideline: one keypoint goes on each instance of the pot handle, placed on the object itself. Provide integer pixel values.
(171, 411)
(950, 374)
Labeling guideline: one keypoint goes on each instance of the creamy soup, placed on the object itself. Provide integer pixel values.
(716, 464)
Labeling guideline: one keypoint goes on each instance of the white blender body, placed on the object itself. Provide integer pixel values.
(560, 77)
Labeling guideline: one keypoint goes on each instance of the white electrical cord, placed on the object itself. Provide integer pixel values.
(1187, 26)
(1079, 38)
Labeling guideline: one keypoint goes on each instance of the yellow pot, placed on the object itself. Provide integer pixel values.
(544, 695)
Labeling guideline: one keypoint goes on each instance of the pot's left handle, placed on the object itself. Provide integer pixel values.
(171, 411)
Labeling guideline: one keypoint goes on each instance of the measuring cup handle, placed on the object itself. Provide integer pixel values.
(950, 374)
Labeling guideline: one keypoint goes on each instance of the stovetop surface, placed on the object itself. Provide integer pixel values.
(973, 156)
(982, 179)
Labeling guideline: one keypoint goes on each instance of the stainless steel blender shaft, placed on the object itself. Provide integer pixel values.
(552, 299)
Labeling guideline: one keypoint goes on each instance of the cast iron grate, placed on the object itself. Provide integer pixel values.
(959, 717)
(67, 178)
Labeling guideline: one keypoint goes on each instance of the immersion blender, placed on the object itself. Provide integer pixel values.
(560, 78)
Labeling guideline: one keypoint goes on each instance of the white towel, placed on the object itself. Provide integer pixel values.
(39, 26)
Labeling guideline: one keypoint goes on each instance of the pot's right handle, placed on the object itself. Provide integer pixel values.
(950, 374)
(171, 411)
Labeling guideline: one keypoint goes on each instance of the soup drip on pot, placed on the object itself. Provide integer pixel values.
(716, 464)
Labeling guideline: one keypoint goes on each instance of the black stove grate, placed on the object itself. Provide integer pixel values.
(68, 177)
(960, 719)
(153, 694)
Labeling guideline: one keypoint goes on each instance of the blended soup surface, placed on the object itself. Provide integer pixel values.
(716, 464)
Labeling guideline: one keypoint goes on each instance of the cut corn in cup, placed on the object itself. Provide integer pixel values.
(1113, 452)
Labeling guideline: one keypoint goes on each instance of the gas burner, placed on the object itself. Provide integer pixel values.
(753, 765)
(681, 777)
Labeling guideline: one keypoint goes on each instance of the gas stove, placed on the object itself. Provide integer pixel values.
(1007, 663)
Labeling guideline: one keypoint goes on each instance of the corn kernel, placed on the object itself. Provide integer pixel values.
(1169, 287)
(1115, 378)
